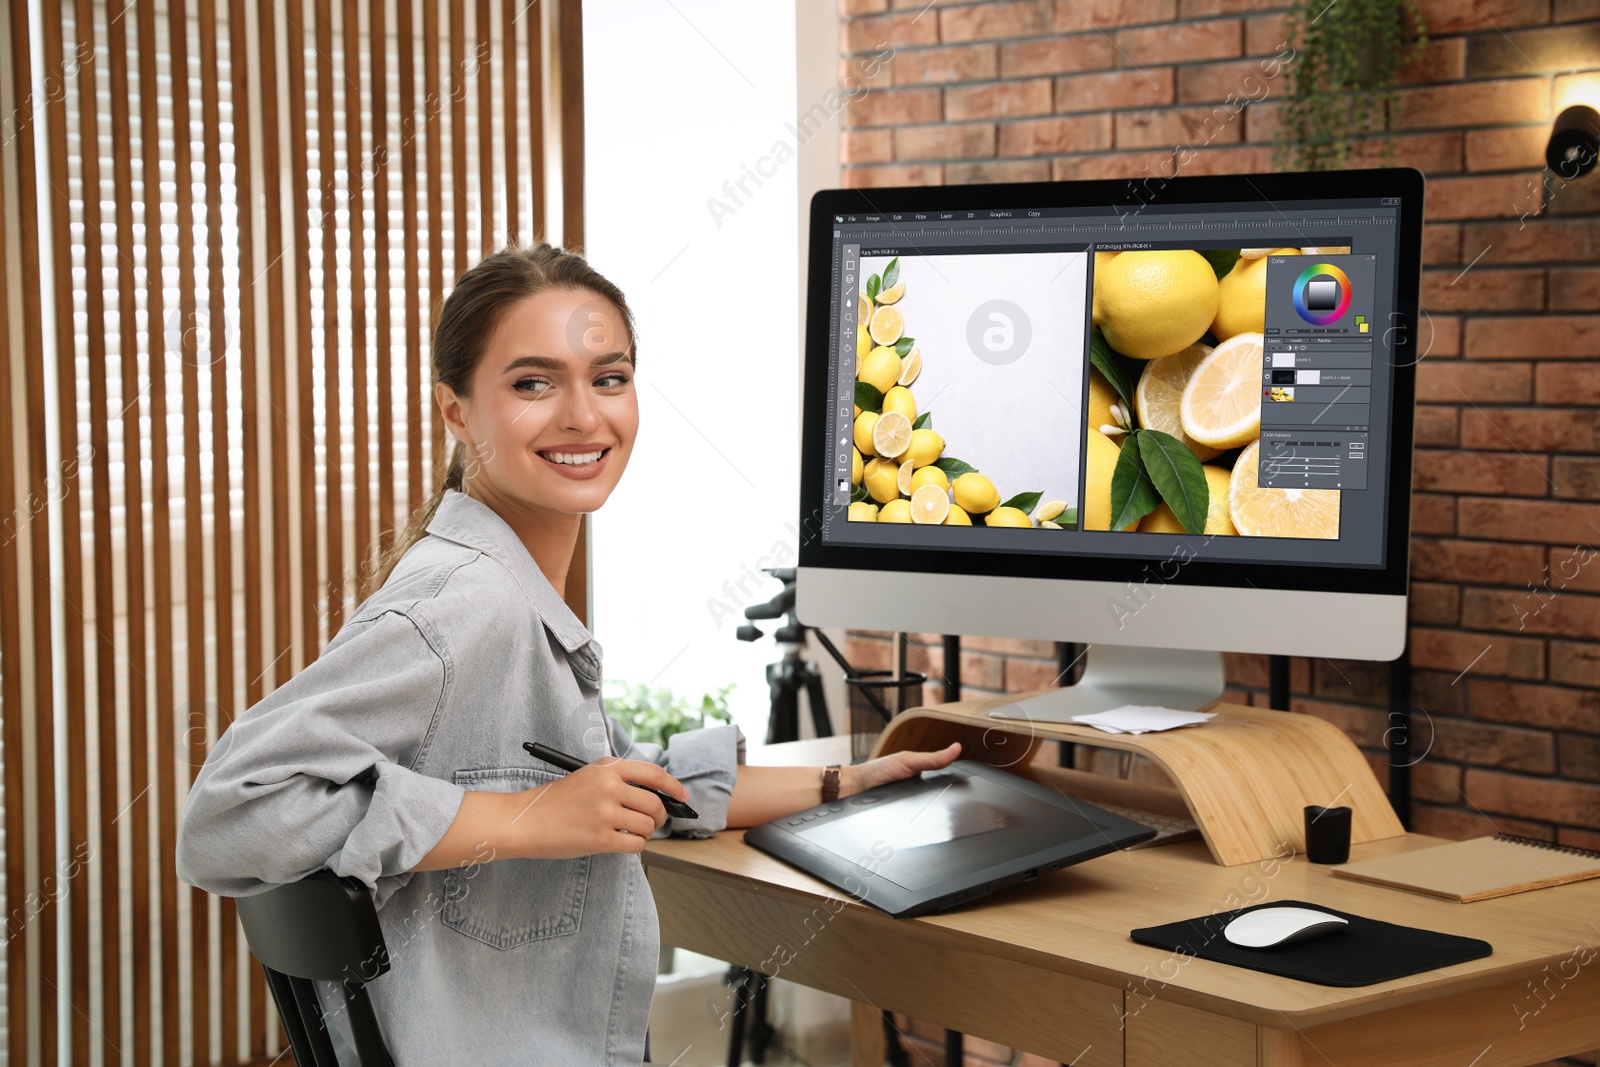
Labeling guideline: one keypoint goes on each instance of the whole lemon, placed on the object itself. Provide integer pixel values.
(900, 399)
(855, 466)
(957, 517)
(898, 510)
(1242, 297)
(1218, 521)
(926, 446)
(865, 422)
(1100, 261)
(929, 475)
(1152, 304)
(861, 511)
(881, 368)
(1097, 479)
(863, 345)
(880, 478)
(976, 494)
(1007, 517)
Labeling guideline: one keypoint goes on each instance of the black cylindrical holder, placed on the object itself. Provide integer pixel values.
(875, 698)
(1327, 834)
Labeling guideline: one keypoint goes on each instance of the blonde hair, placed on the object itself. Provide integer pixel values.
(469, 317)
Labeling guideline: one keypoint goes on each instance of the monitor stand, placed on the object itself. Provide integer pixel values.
(1115, 675)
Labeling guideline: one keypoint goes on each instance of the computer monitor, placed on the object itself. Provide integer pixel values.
(1165, 417)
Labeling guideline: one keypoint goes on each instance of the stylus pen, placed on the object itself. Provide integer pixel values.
(675, 807)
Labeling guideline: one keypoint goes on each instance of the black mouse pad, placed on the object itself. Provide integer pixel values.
(1363, 953)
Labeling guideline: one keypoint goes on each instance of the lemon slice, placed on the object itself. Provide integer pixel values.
(863, 312)
(891, 434)
(887, 325)
(1221, 404)
(903, 479)
(1258, 512)
(910, 367)
(892, 294)
(1160, 389)
(1254, 253)
(929, 505)
(1046, 524)
(1050, 509)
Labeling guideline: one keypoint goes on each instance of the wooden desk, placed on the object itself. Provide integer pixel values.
(1048, 967)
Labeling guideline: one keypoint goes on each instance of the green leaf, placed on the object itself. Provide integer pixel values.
(891, 274)
(1109, 363)
(1132, 494)
(925, 419)
(868, 398)
(1178, 476)
(902, 347)
(858, 494)
(1023, 502)
(872, 287)
(1068, 518)
(952, 466)
(1221, 259)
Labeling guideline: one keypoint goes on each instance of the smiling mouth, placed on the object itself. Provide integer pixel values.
(575, 459)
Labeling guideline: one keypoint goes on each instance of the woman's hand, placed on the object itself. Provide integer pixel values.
(596, 808)
(893, 767)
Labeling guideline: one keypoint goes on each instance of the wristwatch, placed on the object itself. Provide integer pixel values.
(830, 782)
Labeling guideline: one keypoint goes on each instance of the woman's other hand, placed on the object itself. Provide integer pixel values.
(596, 808)
(893, 767)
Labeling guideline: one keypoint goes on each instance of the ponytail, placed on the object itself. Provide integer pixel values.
(469, 316)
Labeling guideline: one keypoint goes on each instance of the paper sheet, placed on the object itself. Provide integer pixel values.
(1142, 719)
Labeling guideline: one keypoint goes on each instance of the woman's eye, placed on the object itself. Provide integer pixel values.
(613, 381)
(531, 386)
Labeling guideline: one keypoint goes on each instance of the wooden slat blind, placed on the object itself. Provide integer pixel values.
(227, 228)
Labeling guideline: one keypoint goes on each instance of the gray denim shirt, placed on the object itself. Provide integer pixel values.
(360, 762)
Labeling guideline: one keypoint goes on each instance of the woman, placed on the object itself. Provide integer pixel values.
(519, 923)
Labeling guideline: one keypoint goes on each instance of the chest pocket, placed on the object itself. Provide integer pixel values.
(510, 902)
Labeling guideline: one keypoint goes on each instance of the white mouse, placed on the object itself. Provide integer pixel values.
(1269, 927)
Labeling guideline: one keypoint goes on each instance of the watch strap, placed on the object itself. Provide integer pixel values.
(830, 782)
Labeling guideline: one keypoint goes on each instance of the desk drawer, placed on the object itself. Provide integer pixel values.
(907, 965)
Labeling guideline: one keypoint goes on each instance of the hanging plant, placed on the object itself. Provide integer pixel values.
(1343, 77)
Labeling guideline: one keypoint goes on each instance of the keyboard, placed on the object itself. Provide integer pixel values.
(1170, 829)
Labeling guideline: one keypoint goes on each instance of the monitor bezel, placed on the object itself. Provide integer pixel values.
(1124, 195)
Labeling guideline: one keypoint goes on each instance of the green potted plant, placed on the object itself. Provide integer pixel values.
(1343, 75)
(654, 715)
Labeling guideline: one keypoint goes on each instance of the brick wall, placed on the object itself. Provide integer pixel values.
(1505, 596)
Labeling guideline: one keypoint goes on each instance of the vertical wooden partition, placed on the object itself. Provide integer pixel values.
(227, 226)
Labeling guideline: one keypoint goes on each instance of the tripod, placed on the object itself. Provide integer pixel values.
(789, 675)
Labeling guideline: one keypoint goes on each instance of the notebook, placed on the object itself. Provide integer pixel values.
(1479, 869)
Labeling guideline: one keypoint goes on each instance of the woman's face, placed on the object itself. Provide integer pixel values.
(552, 414)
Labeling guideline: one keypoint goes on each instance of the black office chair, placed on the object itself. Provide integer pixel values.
(324, 928)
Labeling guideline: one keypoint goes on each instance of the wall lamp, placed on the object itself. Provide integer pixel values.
(1574, 141)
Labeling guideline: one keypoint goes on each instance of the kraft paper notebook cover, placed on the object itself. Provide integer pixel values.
(1479, 869)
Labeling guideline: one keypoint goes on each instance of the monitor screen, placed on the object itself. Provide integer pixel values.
(1204, 381)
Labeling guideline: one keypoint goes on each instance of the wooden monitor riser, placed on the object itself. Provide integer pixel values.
(1245, 776)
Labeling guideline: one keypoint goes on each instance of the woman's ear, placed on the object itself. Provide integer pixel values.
(452, 409)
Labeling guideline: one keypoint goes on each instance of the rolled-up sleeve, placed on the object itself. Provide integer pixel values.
(706, 761)
(319, 774)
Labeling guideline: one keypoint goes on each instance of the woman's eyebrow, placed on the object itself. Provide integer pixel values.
(552, 363)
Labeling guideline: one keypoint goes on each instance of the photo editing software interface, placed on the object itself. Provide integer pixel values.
(1213, 374)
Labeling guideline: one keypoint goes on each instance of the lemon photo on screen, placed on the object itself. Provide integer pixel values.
(924, 334)
(1178, 377)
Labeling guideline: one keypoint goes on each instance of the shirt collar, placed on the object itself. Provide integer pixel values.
(468, 521)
